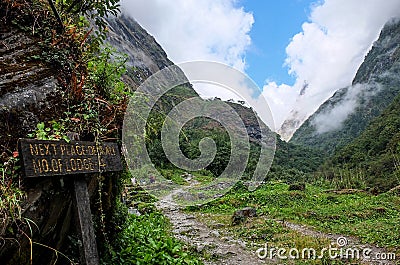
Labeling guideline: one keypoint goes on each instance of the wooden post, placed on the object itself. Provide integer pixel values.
(89, 254)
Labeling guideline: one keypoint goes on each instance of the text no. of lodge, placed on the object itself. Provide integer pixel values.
(44, 158)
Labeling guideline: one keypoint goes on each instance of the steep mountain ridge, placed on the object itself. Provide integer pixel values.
(145, 55)
(348, 112)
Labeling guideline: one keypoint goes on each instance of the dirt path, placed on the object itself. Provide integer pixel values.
(223, 250)
(218, 250)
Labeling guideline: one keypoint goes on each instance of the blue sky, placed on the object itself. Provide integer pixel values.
(322, 43)
(276, 22)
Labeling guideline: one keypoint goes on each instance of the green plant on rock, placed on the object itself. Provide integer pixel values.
(96, 11)
(69, 39)
(84, 117)
(56, 131)
(103, 96)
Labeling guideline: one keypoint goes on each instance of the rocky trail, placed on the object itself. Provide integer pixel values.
(226, 250)
(219, 250)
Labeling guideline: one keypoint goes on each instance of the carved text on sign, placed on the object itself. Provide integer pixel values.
(48, 158)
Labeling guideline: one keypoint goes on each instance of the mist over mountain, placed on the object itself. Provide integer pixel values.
(307, 104)
(348, 112)
(374, 155)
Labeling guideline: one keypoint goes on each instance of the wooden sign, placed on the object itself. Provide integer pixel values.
(50, 158)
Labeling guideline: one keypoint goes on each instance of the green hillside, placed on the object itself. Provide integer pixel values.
(373, 159)
(290, 162)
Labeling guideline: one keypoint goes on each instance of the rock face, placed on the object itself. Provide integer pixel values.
(29, 92)
(145, 55)
(142, 49)
(145, 58)
(348, 112)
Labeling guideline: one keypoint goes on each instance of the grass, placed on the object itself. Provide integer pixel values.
(174, 175)
(11, 195)
(146, 240)
(373, 219)
(256, 232)
(178, 176)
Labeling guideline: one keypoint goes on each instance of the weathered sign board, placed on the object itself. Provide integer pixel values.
(43, 158)
(50, 158)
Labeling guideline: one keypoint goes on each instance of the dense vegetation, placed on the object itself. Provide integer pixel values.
(373, 159)
(291, 161)
(146, 240)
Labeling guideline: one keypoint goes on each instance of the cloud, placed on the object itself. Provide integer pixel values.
(280, 98)
(333, 117)
(329, 50)
(215, 30)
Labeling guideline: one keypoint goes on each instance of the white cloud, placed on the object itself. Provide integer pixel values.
(215, 30)
(280, 98)
(331, 47)
(333, 117)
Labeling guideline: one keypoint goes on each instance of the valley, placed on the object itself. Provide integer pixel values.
(329, 195)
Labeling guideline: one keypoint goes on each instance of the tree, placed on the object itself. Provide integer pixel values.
(95, 10)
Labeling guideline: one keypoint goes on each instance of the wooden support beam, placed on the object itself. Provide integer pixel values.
(89, 254)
